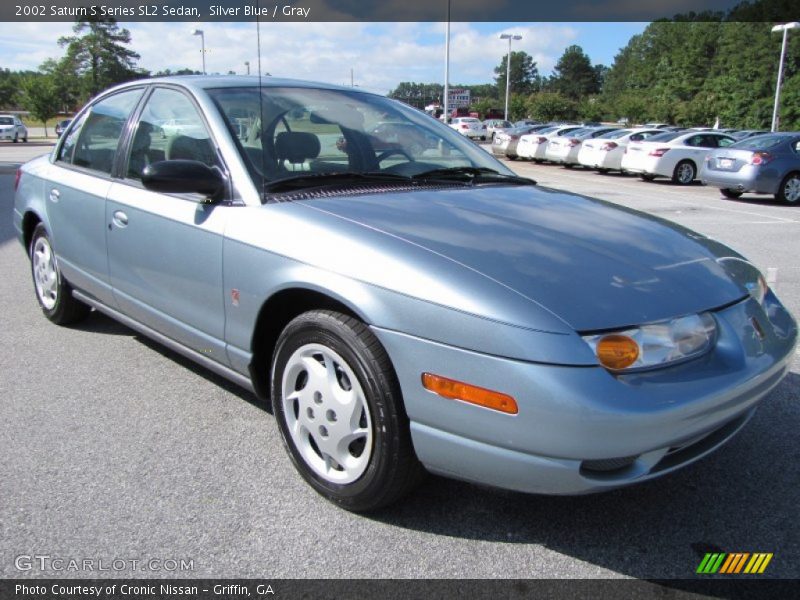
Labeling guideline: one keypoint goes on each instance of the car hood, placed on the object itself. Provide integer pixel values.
(594, 265)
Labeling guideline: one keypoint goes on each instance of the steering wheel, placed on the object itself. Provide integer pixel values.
(391, 152)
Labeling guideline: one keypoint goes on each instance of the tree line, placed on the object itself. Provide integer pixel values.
(688, 70)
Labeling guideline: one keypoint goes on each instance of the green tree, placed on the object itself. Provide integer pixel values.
(97, 53)
(551, 106)
(574, 76)
(40, 98)
(524, 79)
(9, 89)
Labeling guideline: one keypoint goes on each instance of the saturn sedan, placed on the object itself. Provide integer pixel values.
(402, 313)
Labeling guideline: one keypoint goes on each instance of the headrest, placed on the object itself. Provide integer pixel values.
(296, 146)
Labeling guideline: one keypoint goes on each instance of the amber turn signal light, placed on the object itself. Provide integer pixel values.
(617, 351)
(458, 390)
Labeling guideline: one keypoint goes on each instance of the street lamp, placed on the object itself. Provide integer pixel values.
(509, 37)
(785, 29)
(247, 64)
(202, 46)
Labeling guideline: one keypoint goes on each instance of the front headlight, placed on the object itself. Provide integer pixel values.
(747, 275)
(655, 344)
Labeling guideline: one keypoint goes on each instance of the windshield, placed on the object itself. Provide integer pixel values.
(6, 121)
(281, 132)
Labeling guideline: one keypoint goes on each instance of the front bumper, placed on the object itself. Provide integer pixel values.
(582, 429)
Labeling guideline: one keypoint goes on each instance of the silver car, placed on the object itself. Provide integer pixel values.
(402, 314)
(12, 128)
(765, 164)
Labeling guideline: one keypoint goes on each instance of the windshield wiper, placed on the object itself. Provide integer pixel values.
(307, 180)
(473, 175)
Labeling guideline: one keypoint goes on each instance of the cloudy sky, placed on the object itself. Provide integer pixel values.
(380, 54)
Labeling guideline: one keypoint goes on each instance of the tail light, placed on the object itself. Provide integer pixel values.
(760, 158)
(541, 139)
(608, 146)
(658, 152)
(464, 126)
(573, 142)
(17, 177)
(513, 137)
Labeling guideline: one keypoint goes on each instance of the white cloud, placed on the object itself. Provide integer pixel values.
(381, 54)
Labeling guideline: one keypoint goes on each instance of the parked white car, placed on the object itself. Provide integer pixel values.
(533, 145)
(674, 154)
(470, 127)
(605, 153)
(564, 149)
(12, 128)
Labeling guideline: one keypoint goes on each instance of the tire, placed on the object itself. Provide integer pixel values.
(730, 194)
(53, 292)
(332, 381)
(16, 138)
(568, 165)
(538, 161)
(25, 139)
(512, 156)
(647, 177)
(603, 171)
(684, 173)
(789, 192)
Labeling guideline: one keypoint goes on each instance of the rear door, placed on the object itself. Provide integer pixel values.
(76, 192)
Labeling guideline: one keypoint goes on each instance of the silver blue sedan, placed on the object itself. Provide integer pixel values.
(403, 311)
(765, 164)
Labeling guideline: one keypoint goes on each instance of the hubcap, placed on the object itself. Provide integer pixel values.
(45, 275)
(685, 173)
(791, 190)
(327, 413)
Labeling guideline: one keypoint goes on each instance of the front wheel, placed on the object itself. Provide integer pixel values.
(52, 291)
(338, 406)
(684, 173)
(789, 192)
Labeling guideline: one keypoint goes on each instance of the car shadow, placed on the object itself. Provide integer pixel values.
(742, 498)
(103, 324)
(756, 200)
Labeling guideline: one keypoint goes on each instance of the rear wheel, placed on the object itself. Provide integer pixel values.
(338, 406)
(789, 192)
(647, 177)
(729, 193)
(684, 173)
(52, 291)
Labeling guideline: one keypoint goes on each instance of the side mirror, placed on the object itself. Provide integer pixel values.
(181, 176)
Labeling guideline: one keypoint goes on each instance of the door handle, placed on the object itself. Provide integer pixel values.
(54, 195)
(120, 219)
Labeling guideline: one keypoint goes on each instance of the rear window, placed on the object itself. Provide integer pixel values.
(666, 137)
(759, 142)
(612, 135)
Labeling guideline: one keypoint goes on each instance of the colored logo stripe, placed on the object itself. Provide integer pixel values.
(733, 563)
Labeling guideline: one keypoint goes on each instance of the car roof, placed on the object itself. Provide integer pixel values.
(206, 82)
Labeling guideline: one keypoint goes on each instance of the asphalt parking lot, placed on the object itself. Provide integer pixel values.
(116, 448)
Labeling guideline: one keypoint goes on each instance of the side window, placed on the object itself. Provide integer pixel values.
(67, 149)
(723, 142)
(170, 128)
(696, 140)
(92, 144)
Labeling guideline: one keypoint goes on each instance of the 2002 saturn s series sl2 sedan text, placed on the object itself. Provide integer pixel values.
(408, 308)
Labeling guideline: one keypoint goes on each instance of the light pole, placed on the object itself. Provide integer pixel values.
(509, 37)
(202, 46)
(785, 29)
(247, 64)
(446, 99)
